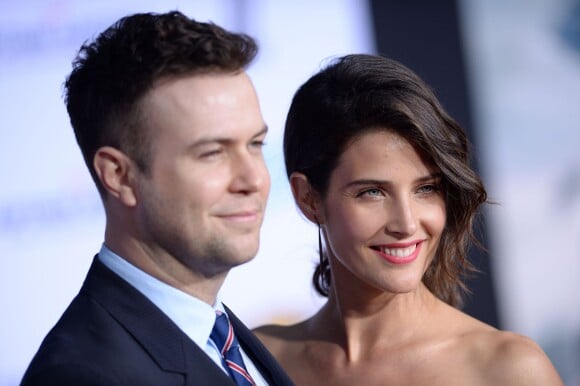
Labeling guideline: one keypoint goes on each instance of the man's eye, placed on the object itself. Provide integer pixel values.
(260, 143)
(210, 153)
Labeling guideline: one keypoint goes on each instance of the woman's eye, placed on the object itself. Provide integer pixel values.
(430, 188)
(371, 193)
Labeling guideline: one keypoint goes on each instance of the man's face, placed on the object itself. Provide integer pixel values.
(203, 198)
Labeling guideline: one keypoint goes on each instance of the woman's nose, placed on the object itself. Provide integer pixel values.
(401, 219)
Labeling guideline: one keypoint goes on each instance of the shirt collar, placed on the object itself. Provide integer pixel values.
(192, 315)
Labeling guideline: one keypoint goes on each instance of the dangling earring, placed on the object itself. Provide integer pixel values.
(324, 267)
(320, 254)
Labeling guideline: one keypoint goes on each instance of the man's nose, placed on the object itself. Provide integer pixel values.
(249, 173)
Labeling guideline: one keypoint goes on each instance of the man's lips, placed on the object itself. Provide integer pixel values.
(241, 215)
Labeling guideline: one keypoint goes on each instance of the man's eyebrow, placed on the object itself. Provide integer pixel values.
(263, 131)
(218, 139)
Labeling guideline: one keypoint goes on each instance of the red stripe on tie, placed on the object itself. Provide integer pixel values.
(229, 339)
(240, 370)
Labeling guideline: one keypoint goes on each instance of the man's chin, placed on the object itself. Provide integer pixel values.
(246, 258)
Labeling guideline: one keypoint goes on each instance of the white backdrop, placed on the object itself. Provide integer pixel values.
(51, 219)
(528, 88)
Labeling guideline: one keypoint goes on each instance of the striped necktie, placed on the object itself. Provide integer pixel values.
(223, 336)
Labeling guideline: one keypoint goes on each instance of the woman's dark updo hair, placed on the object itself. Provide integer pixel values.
(356, 94)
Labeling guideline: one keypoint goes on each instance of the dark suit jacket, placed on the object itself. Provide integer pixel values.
(113, 335)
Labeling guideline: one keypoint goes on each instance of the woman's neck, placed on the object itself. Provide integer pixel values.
(362, 324)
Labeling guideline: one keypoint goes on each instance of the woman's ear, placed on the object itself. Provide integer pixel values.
(306, 197)
(115, 169)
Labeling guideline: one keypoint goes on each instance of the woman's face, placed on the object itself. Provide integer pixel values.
(383, 214)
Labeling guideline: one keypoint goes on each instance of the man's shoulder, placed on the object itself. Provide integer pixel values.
(83, 336)
(63, 374)
(89, 346)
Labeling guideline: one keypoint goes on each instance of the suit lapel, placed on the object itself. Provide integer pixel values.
(156, 333)
(264, 361)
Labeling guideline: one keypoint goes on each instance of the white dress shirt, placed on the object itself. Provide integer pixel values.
(193, 316)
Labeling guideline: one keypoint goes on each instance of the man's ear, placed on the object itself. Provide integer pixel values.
(306, 198)
(115, 169)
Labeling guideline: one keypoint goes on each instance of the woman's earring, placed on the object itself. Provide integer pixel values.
(320, 254)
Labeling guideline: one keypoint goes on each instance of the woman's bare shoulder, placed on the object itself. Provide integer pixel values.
(278, 331)
(499, 357)
(276, 337)
(506, 358)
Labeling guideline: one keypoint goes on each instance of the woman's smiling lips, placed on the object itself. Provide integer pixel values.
(399, 253)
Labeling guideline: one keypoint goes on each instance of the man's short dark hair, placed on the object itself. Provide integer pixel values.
(112, 73)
